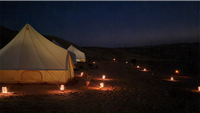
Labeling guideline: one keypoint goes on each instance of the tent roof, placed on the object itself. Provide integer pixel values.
(73, 56)
(29, 50)
(79, 54)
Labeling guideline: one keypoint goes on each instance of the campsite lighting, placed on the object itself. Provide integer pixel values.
(101, 85)
(4, 90)
(198, 88)
(176, 71)
(138, 66)
(81, 73)
(62, 87)
(103, 76)
(172, 78)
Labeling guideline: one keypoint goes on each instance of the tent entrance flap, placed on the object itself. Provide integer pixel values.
(31, 76)
(36, 76)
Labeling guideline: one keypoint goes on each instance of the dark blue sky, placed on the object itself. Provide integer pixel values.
(107, 24)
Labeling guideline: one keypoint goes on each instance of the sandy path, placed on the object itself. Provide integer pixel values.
(126, 89)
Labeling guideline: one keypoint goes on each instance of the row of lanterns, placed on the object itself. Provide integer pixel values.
(62, 87)
(140, 67)
(102, 84)
(176, 72)
(136, 67)
(103, 77)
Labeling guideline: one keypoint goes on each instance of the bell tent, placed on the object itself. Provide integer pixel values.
(80, 56)
(31, 58)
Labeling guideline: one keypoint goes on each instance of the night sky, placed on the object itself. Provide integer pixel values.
(107, 24)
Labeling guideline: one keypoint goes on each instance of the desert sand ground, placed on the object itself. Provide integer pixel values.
(126, 89)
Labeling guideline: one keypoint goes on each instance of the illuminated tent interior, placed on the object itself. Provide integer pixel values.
(73, 56)
(80, 56)
(30, 58)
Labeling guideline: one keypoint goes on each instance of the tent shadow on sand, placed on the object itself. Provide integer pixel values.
(72, 82)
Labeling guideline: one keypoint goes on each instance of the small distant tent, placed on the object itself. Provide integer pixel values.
(80, 56)
(31, 58)
(73, 56)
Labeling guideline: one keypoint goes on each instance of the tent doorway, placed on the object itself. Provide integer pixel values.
(31, 76)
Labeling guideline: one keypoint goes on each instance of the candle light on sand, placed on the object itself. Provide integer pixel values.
(172, 78)
(62, 87)
(138, 66)
(176, 71)
(81, 73)
(198, 88)
(4, 90)
(101, 85)
(144, 69)
(103, 76)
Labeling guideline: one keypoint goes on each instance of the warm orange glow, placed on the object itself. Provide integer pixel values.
(62, 87)
(176, 71)
(81, 73)
(4, 90)
(126, 62)
(94, 62)
(102, 84)
(103, 76)
(145, 69)
(171, 78)
(138, 66)
(87, 83)
(113, 59)
(198, 88)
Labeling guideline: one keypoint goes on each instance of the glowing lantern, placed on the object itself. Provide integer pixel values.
(113, 59)
(198, 88)
(101, 85)
(62, 87)
(145, 69)
(176, 71)
(138, 66)
(4, 90)
(171, 78)
(94, 62)
(103, 76)
(81, 73)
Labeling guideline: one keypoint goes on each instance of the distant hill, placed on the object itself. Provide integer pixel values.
(182, 51)
(167, 51)
(184, 57)
(65, 44)
(6, 35)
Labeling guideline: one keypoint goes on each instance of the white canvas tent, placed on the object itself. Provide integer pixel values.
(31, 58)
(73, 56)
(80, 56)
